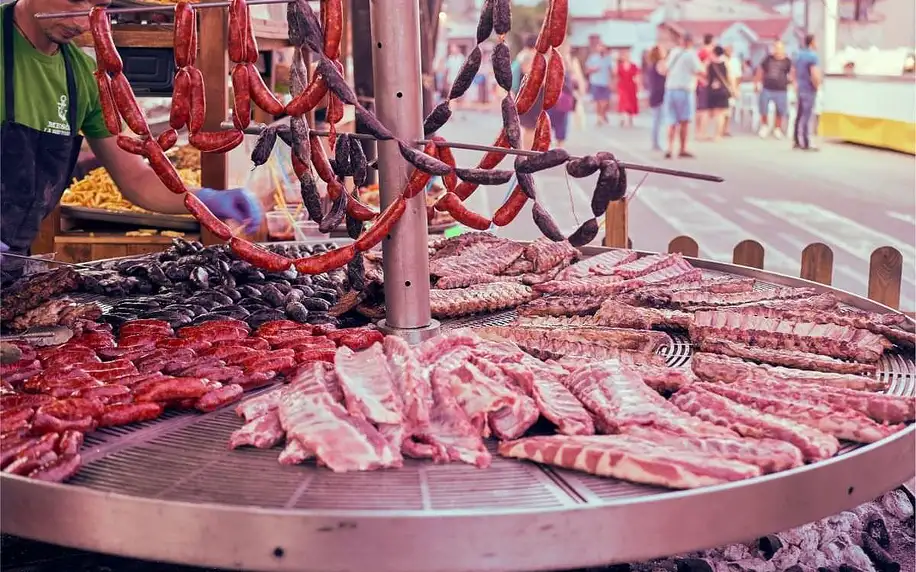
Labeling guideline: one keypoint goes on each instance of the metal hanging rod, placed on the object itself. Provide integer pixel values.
(256, 128)
(157, 8)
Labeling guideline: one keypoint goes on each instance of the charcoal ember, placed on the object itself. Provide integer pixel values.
(769, 545)
(897, 504)
(876, 528)
(694, 565)
(881, 558)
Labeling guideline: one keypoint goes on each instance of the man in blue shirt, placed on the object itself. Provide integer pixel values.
(599, 67)
(807, 81)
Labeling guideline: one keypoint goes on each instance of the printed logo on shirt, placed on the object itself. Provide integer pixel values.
(63, 126)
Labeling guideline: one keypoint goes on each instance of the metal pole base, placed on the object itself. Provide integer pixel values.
(412, 336)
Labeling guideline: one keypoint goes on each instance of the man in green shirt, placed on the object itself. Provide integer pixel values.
(49, 101)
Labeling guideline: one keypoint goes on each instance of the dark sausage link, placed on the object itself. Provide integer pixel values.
(310, 197)
(438, 117)
(163, 167)
(180, 112)
(336, 82)
(356, 272)
(241, 109)
(511, 125)
(216, 141)
(621, 184)
(336, 215)
(303, 25)
(466, 74)
(501, 60)
(485, 23)
(259, 257)
(418, 180)
(559, 13)
(183, 35)
(586, 233)
(131, 144)
(206, 218)
(261, 94)
(167, 139)
(358, 163)
(198, 100)
(605, 188)
(546, 160)
(531, 85)
(382, 225)
(299, 129)
(502, 17)
(422, 161)
(556, 77)
(371, 124)
(510, 209)
(106, 100)
(583, 166)
(526, 182)
(106, 53)
(342, 165)
(127, 105)
(546, 224)
(354, 227)
(325, 261)
(264, 147)
(484, 176)
(453, 205)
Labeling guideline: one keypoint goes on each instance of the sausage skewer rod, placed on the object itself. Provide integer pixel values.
(256, 128)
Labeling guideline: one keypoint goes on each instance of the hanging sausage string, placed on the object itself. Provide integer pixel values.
(321, 34)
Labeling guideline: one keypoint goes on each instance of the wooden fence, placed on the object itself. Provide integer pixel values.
(885, 269)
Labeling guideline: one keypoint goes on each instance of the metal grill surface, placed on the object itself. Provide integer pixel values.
(184, 457)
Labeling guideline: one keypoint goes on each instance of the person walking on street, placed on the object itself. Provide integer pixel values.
(600, 66)
(570, 97)
(719, 87)
(702, 99)
(682, 68)
(627, 96)
(655, 84)
(735, 74)
(807, 81)
(774, 75)
(50, 102)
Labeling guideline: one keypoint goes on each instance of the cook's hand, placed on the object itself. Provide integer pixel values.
(239, 205)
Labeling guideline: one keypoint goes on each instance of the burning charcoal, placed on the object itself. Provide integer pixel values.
(877, 529)
(883, 561)
(694, 565)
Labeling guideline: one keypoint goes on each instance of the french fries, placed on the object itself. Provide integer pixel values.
(98, 191)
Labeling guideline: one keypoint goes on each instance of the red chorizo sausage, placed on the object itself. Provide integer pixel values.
(310, 97)
(163, 167)
(333, 27)
(531, 86)
(59, 470)
(126, 413)
(216, 141)
(131, 144)
(419, 179)
(241, 110)
(453, 205)
(251, 43)
(180, 112)
(257, 256)
(106, 100)
(219, 397)
(198, 100)
(261, 94)
(167, 139)
(127, 105)
(326, 261)
(556, 30)
(206, 218)
(382, 225)
(359, 211)
(543, 38)
(183, 36)
(106, 53)
(489, 161)
(238, 31)
(510, 209)
(556, 77)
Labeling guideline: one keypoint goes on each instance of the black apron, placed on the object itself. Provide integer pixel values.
(36, 166)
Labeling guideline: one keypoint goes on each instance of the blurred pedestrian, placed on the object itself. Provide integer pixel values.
(655, 84)
(719, 90)
(807, 82)
(599, 67)
(682, 68)
(452, 66)
(772, 83)
(702, 105)
(520, 68)
(627, 96)
(735, 74)
(570, 97)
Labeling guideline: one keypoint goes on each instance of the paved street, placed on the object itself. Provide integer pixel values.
(851, 198)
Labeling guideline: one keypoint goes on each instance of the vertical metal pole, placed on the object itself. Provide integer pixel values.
(396, 66)
(363, 49)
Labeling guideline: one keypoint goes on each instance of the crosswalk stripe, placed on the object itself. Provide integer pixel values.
(835, 230)
(688, 216)
(901, 216)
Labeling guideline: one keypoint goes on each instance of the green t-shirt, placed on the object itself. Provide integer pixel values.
(41, 96)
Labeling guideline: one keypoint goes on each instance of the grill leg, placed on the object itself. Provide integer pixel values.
(396, 67)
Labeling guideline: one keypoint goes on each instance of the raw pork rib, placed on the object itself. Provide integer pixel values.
(562, 306)
(510, 422)
(488, 297)
(411, 382)
(451, 426)
(487, 258)
(840, 422)
(545, 254)
(770, 455)
(630, 458)
(261, 432)
(748, 422)
(688, 298)
(723, 369)
(784, 358)
(255, 407)
(646, 265)
(367, 385)
(554, 401)
(613, 313)
(320, 425)
(882, 408)
(618, 398)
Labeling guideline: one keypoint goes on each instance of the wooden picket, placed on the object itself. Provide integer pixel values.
(885, 270)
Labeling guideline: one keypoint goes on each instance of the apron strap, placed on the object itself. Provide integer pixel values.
(8, 66)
